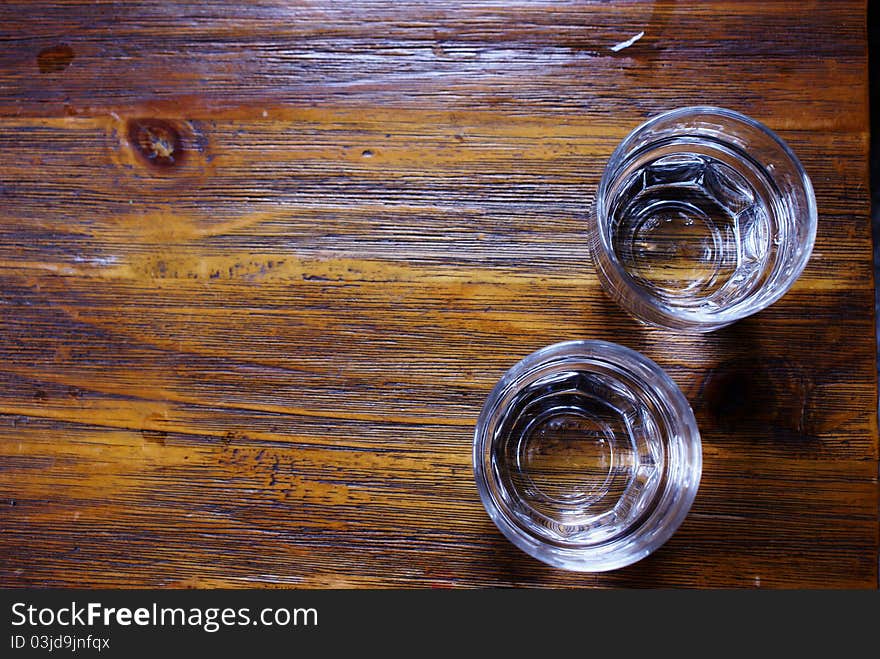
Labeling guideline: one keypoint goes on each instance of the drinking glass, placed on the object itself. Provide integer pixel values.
(703, 216)
(587, 456)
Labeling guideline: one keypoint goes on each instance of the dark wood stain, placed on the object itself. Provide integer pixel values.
(767, 396)
(257, 276)
(55, 58)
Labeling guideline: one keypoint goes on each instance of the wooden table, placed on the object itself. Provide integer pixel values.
(261, 263)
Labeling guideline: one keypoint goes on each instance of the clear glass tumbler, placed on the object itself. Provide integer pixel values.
(703, 216)
(587, 456)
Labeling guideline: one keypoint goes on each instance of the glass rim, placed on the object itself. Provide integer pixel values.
(619, 551)
(686, 318)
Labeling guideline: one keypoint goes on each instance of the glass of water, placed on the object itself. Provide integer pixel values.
(703, 216)
(587, 456)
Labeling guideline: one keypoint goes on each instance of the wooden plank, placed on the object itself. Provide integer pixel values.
(260, 266)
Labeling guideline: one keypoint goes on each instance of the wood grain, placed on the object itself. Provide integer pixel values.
(262, 262)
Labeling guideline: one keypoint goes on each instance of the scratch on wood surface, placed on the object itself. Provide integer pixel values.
(626, 44)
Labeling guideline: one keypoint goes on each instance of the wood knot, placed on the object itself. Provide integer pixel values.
(157, 141)
(55, 58)
(155, 155)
